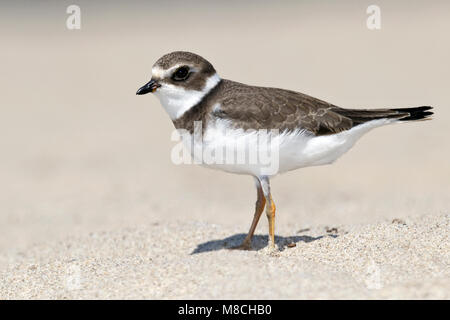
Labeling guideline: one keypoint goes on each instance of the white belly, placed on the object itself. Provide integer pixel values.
(258, 154)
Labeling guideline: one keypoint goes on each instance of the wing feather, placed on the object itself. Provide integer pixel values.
(270, 108)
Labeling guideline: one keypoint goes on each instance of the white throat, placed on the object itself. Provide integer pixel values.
(176, 100)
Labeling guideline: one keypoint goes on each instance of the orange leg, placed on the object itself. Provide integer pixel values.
(264, 195)
(259, 208)
(270, 209)
(270, 212)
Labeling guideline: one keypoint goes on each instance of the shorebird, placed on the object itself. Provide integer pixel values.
(311, 132)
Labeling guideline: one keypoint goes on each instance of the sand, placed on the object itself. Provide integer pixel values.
(92, 207)
(400, 259)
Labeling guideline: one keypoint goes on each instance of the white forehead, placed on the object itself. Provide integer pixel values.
(159, 72)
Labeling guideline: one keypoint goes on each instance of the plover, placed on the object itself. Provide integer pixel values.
(310, 131)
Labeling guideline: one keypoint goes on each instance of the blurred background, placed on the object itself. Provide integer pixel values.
(80, 151)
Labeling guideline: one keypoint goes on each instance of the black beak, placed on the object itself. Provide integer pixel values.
(149, 87)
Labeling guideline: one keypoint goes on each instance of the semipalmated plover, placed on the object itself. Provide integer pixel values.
(308, 131)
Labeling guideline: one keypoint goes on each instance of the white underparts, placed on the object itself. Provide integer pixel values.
(289, 150)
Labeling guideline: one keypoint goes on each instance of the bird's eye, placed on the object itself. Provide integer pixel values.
(181, 74)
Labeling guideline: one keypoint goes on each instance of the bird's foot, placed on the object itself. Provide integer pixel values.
(271, 250)
(245, 245)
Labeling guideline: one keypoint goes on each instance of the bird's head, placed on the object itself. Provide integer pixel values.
(180, 80)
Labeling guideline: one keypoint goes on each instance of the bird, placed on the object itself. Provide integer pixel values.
(307, 131)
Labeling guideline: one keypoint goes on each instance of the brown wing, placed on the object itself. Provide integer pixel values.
(269, 108)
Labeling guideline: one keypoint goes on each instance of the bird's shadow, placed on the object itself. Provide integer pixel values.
(258, 242)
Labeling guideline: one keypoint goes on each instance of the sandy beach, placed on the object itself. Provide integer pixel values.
(92, 207)
(386, 260)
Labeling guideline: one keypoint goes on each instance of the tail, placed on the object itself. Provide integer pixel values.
(359, 116)
(418, 113)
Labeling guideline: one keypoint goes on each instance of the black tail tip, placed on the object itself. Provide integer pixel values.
(418, 113)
